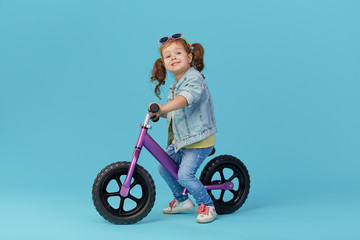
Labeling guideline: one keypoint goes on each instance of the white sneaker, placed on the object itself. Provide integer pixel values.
(176, 206)
(206, 214)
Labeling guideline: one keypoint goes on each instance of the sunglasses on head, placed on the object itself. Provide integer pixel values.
(174, 36)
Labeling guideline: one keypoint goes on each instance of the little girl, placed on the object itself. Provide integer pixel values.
(191, 122)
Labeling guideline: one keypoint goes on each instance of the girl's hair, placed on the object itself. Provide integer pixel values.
(159, 71)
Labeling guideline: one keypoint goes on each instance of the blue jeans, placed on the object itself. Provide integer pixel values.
(189, 160)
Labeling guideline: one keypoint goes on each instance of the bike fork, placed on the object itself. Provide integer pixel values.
(125, 188)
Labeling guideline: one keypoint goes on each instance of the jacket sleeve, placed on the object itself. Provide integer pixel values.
(192, 88)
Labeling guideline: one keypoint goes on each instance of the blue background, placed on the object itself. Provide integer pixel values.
(74, 84)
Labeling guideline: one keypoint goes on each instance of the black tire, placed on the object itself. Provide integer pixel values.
(215, 171)
(138, 207)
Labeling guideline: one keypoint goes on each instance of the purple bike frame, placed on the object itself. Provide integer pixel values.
(151, 145)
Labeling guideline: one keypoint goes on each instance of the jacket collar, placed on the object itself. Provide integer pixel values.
(173, 85)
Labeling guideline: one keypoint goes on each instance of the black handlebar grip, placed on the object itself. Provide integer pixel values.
(156, 119)
(154, 108)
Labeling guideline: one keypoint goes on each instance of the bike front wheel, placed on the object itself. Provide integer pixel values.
(123, 210)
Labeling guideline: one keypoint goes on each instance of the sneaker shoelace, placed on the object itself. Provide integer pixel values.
(171, 204)
(203, 209)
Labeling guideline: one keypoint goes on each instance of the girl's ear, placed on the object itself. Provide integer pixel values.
(190, 57)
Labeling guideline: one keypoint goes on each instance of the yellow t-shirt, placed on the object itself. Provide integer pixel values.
(207, 142)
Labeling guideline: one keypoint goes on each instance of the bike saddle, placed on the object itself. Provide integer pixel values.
(212, 152)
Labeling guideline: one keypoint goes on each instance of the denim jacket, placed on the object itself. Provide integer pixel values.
(196, 121)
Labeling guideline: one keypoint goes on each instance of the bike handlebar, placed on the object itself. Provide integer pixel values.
(154, 108)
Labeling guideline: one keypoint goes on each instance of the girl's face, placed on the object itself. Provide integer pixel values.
(176, 59)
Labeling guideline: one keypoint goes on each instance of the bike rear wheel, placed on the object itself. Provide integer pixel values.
(222, 169)
(123, 210)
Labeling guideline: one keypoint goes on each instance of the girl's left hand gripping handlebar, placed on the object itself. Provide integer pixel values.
(154, 108)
